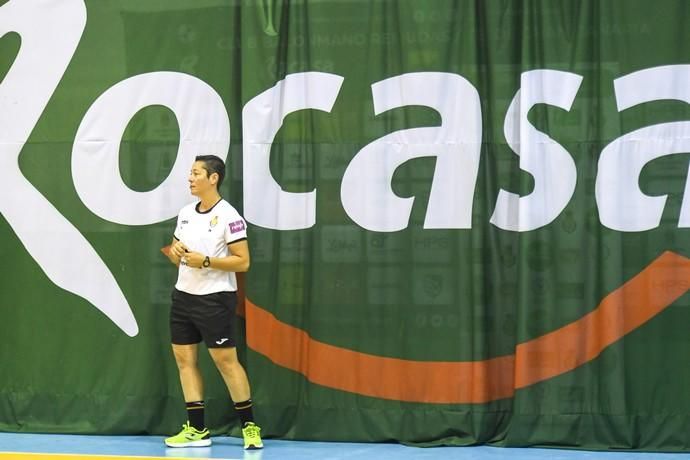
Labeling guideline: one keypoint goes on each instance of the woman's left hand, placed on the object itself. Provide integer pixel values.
(193, 259)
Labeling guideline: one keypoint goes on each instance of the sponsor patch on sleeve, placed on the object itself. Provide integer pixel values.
(237, 226)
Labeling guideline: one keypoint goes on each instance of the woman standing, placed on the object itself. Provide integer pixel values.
(209, 245)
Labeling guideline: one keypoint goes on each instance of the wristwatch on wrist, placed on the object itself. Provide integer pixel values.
(207, 262)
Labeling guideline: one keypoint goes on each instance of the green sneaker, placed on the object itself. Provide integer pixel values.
(190, 437)
(252, 436)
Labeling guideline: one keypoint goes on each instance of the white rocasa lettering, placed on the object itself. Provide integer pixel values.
(49, 37)
(622, 205)
(366, 191)
(547, 161)
(265, 203)
(203, 124)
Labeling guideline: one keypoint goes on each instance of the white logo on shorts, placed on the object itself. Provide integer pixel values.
(221, 341)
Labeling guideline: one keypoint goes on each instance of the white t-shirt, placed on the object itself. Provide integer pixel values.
(209, 233)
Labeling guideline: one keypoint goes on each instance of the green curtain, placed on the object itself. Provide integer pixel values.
(572, 334)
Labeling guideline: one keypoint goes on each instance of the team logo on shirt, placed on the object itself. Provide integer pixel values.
(237, 226)
(213, 222)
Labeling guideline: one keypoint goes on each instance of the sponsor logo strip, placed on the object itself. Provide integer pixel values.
(237, 226)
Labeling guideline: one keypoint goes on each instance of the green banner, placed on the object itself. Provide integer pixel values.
(467, 220)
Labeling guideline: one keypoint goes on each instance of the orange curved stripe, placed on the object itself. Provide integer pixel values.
(630, 306)
(377, 376)
(622, 311)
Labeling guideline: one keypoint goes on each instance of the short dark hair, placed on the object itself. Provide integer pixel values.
(213, 164)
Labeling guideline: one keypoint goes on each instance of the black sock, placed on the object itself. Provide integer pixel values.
(244, 410)
(195, 414)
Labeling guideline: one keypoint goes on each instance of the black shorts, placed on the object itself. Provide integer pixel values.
(209, 317)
